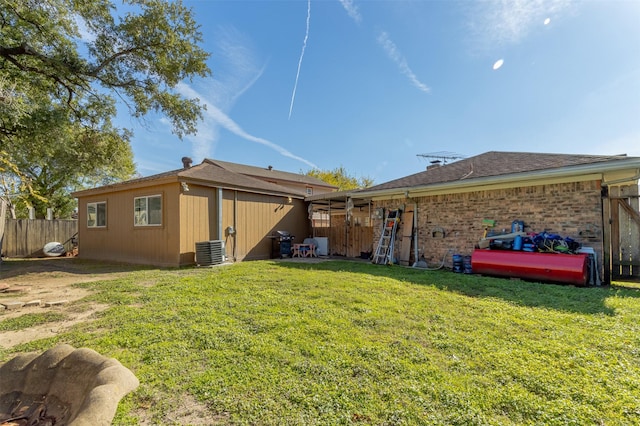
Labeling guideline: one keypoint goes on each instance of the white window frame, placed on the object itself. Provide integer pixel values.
(141, 218)
(95, 220)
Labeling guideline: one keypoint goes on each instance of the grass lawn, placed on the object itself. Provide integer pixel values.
(338, 342)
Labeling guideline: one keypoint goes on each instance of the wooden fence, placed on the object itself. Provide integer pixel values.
(27, 237)
(349, 241)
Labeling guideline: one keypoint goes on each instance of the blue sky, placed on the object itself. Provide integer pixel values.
(369, 85)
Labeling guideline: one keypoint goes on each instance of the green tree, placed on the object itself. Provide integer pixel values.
(341, 178)
(138, 53)
(62, 65)
(54, 156)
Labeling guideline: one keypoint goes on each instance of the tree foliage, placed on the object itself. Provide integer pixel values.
(138, 54)
(63, 64)
(341, 178)
(54, 156)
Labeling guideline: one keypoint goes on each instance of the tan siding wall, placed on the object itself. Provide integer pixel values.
(258, 217)
(198, 216)
(188, 218)
(121, 241)
(569, 209)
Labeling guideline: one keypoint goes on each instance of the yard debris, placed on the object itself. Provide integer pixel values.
(12, 305)
(56, 303)
(28, 414)
(16, 289)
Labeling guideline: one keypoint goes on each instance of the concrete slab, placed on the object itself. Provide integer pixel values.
(15, 304)
(55, 303)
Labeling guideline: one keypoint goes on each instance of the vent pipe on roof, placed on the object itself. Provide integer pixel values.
(434, 164)
(269, 167)
(186, 162)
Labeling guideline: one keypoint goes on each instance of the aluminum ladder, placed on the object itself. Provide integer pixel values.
(384, 251)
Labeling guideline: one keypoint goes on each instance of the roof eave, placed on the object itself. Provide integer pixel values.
(213, 184)
(126, 185)
(580, 170)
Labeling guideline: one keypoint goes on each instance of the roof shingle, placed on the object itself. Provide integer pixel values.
(493, 163)
(270, 173)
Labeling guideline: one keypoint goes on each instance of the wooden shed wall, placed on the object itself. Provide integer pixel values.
(120, 240)
(190, 217)
(255, 217)
(198, 218)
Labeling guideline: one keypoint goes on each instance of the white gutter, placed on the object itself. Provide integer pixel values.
(595, 169)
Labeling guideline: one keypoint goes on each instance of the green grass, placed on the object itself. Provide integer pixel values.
(352, 343)
(30, 320)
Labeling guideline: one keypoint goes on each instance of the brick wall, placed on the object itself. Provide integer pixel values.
(568, 209)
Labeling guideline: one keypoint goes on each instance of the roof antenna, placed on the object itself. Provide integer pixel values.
(439, 157)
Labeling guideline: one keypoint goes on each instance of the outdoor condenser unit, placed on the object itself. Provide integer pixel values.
(210, 252)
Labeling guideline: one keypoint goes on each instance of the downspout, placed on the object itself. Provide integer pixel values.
(415, 235)
(235, 223)
(219, 203)
(346, 228)
(330, 221)
(310, 212)
(605, 208)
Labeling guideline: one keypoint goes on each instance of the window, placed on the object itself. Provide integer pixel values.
(309, 190)
(147, 211)
(97, 215)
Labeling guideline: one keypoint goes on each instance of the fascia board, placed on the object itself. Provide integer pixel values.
(210, 184)
(125, 186)
(575, 173)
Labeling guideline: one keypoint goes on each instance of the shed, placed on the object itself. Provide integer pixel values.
(159, 219)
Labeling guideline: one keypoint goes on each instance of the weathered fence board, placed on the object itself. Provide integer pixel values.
(27, 237)
(349, 241)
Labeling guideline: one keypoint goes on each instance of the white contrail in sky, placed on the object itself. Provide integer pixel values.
(304, 46)
(222, 119)
(352, 10)
(397, 57)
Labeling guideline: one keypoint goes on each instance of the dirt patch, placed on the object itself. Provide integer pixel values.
(189, 412)
(9, 339)
(49, 281)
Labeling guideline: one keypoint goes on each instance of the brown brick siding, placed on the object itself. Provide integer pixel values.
(569, 209)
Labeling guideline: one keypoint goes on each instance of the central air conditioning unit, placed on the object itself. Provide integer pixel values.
(210, 253)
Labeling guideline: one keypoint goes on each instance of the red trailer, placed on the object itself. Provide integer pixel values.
(552, 267)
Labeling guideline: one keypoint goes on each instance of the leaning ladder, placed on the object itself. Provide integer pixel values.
(384, 251)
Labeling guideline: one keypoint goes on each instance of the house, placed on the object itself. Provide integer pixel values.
(159, 219)
(591, 198)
